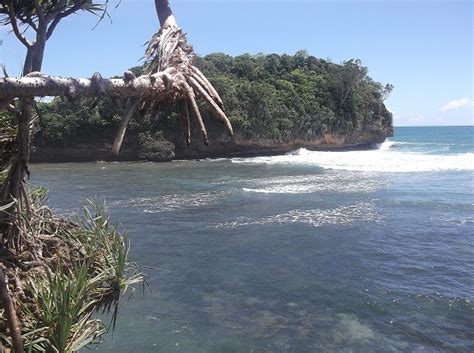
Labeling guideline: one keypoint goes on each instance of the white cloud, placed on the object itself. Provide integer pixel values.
(456, 104)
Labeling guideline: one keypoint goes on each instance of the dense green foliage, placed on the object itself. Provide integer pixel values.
(288, 97)
(278, 97)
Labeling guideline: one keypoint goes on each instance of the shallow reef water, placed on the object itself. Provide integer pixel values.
(363, 251)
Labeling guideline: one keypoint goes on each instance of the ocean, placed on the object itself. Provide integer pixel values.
(362, 251)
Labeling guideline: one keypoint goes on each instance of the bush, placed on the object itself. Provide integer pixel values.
(154, 147)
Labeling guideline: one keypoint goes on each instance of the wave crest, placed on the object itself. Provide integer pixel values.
(385, 159)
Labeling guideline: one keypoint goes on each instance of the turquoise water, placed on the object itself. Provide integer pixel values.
(364, 251)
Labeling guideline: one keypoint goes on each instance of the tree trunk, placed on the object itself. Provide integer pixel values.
(13, 186)
(38, 85)
(10, 315)
(165, 15)
(123, 126)
(173, 77)
(28, 65)
(19, 167)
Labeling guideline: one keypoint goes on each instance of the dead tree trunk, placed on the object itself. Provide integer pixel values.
(123, 126)
(171, 77)
(156, 86)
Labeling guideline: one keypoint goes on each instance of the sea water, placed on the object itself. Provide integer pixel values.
(362, 251)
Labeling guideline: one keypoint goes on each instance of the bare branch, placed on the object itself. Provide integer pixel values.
(184, 113)
(123, 126)
(28, 21)
(16, 30)
(60, 15)
(41, 17)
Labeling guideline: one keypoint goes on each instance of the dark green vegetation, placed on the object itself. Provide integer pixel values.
(277, 98)
(290, 97)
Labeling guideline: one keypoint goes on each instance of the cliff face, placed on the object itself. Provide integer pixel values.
(238, 146)
(220, 145)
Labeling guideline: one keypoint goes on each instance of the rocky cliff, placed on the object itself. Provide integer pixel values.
(220, 146)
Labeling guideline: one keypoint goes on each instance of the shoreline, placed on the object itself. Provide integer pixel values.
(89, 155)
(221, 146)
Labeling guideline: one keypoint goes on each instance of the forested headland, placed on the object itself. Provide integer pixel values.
(275, 103)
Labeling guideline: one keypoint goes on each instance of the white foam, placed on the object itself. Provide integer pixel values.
(164, 203)
(302, 184)
(384, 159)
(342, 215)
(387, 145)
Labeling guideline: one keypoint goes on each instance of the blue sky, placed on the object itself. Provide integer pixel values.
(424, 48)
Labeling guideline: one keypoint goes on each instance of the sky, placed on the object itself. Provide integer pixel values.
(423, 47)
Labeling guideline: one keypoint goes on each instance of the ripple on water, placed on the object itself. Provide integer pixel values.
(172, 202)
(343, 215)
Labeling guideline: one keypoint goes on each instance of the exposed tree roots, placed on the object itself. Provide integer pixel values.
(62, 273)
(170, 56)
(54, 273)
(171, 77)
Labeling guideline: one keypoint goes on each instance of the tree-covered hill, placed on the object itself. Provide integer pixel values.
(274, 102)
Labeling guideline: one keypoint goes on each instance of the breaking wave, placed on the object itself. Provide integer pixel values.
(384, 159)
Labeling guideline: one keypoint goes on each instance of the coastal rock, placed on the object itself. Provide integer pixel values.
(221, 145)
